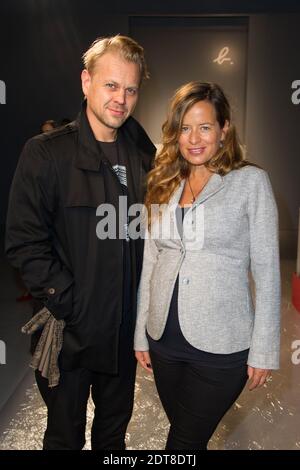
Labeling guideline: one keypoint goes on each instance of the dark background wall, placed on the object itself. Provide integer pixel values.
(183, 48)
(41, 43)
(272, 120)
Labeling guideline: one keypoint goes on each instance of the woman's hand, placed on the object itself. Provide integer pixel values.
(257, 377)
(143, 358)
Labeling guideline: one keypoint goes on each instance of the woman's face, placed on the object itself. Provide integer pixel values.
(200, 134)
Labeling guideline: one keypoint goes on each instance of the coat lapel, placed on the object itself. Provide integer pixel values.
(139, 163)
(135, 142)
(214, 185)
(88, 155)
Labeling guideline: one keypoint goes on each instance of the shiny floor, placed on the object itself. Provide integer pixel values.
(268, 418)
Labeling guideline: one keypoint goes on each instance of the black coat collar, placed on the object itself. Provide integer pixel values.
(89, 156)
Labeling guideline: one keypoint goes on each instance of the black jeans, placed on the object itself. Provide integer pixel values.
(67, 404)
(195, 398)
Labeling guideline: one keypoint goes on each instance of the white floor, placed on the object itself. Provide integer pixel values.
(268, 418)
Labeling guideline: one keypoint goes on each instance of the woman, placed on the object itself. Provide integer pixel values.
(197, 327)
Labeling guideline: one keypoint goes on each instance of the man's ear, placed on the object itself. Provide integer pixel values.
(85, 81)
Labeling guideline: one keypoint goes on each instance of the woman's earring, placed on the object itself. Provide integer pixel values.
(221, 144)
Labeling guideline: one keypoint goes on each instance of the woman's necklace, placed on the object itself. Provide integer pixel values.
(192, 192)
(193, 195)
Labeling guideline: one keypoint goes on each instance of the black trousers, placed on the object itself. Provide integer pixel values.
(195, 398)
(67, 405)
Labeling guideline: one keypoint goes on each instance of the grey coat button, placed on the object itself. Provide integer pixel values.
(185, 281)
(51, 291)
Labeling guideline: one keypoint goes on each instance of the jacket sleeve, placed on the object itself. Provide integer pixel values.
(143, 298)
(30, 230)
(265, 269)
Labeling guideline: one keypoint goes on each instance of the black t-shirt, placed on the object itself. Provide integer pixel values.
(173, 345)
(117, 158)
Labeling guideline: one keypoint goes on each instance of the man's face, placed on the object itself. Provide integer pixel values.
(111, 91)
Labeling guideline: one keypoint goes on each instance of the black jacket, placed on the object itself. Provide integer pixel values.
(61, 179)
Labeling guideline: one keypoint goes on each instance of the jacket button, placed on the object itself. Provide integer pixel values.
(51, 291)
(185, 281)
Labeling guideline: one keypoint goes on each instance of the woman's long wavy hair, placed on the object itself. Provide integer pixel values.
(169, 165)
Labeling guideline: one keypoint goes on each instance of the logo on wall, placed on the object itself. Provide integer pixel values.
(296, 94)
(2, 352)
(223, 56)
(2, 92)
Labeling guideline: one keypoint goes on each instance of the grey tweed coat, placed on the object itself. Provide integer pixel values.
(230, 231)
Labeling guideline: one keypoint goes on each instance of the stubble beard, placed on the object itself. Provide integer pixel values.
(112, 122)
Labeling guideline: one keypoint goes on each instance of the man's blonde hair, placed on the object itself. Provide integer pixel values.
(129, 49)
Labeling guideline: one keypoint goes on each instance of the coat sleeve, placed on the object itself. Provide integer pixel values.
(265, 269)
(30, 230)
(143, 299)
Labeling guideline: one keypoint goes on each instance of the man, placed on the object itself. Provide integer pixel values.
(61, 179)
